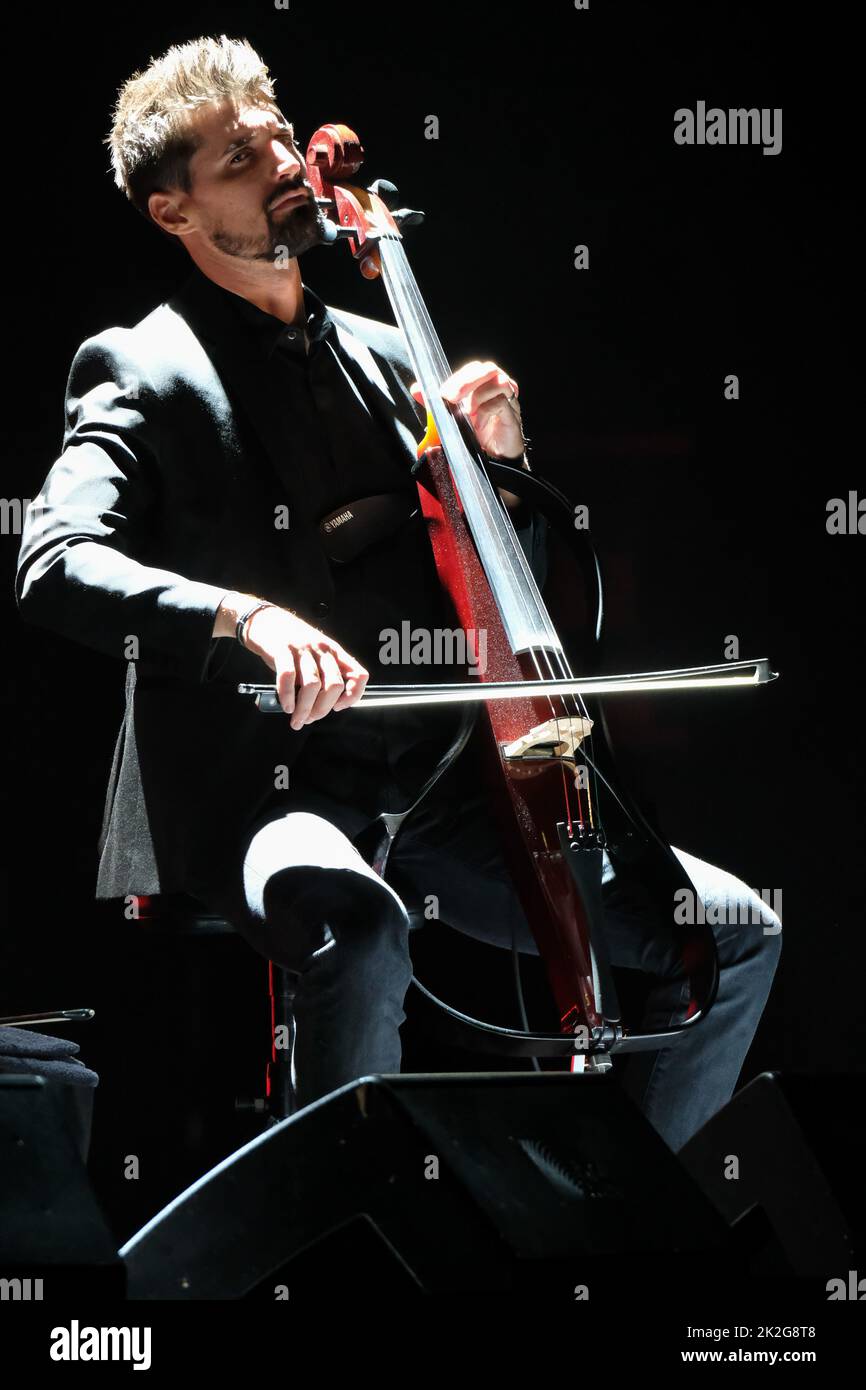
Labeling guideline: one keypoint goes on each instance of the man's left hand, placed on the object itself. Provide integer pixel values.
(489, 397)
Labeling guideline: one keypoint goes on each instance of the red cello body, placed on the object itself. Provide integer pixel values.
(543, 785)
(525, 796)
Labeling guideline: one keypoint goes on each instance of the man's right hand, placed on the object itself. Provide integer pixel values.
(314, 674)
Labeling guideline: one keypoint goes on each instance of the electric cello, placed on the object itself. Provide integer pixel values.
(551, 776)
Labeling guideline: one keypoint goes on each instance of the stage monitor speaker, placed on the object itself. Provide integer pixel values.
(51, 1227)
(472, 1182)
(794, 1147)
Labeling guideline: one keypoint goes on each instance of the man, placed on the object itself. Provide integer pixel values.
(160, 537)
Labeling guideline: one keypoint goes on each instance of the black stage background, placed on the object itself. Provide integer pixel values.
(556, 128)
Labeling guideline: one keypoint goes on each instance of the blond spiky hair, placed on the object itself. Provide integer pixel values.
(150, 139)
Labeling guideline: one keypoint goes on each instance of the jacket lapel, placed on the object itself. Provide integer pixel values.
(390, 405)
(246, 377)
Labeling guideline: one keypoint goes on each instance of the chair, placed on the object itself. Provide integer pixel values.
(180, 914)
(175, 914)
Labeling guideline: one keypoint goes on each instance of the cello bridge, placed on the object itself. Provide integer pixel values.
(555, 738)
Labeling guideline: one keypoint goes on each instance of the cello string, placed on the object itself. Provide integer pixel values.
(404, 285)
(441, 369)
(476, 481)
(522, 582)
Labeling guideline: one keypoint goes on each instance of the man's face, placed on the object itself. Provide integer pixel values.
(246, 164)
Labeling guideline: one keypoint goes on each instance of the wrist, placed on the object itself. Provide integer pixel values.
(232, 606)
(246, 616)
(515, 460)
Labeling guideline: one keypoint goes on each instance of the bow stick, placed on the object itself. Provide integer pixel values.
(728, 675)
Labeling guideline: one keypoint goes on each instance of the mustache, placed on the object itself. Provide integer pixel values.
(287, 188)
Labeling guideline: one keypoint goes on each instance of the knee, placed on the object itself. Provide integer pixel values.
(747, 925)
(357, 922)
(771, 938)
(755, 935)
(300, 869)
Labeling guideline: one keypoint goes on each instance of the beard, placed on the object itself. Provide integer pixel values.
(290, 232)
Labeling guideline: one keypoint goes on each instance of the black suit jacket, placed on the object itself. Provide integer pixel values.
(163, 500)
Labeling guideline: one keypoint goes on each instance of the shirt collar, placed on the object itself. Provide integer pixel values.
(263, 332)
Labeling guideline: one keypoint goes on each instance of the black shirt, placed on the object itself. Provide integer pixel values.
(342, 454)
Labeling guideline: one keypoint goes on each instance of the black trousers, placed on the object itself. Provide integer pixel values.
(302, 895)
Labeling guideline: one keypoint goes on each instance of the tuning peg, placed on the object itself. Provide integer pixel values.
(384, 189)
(333, 232)
(408, 217)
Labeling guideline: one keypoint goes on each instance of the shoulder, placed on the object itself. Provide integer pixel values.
(383, 338)
(160, 348)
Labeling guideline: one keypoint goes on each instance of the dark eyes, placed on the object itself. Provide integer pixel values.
(290, 140)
